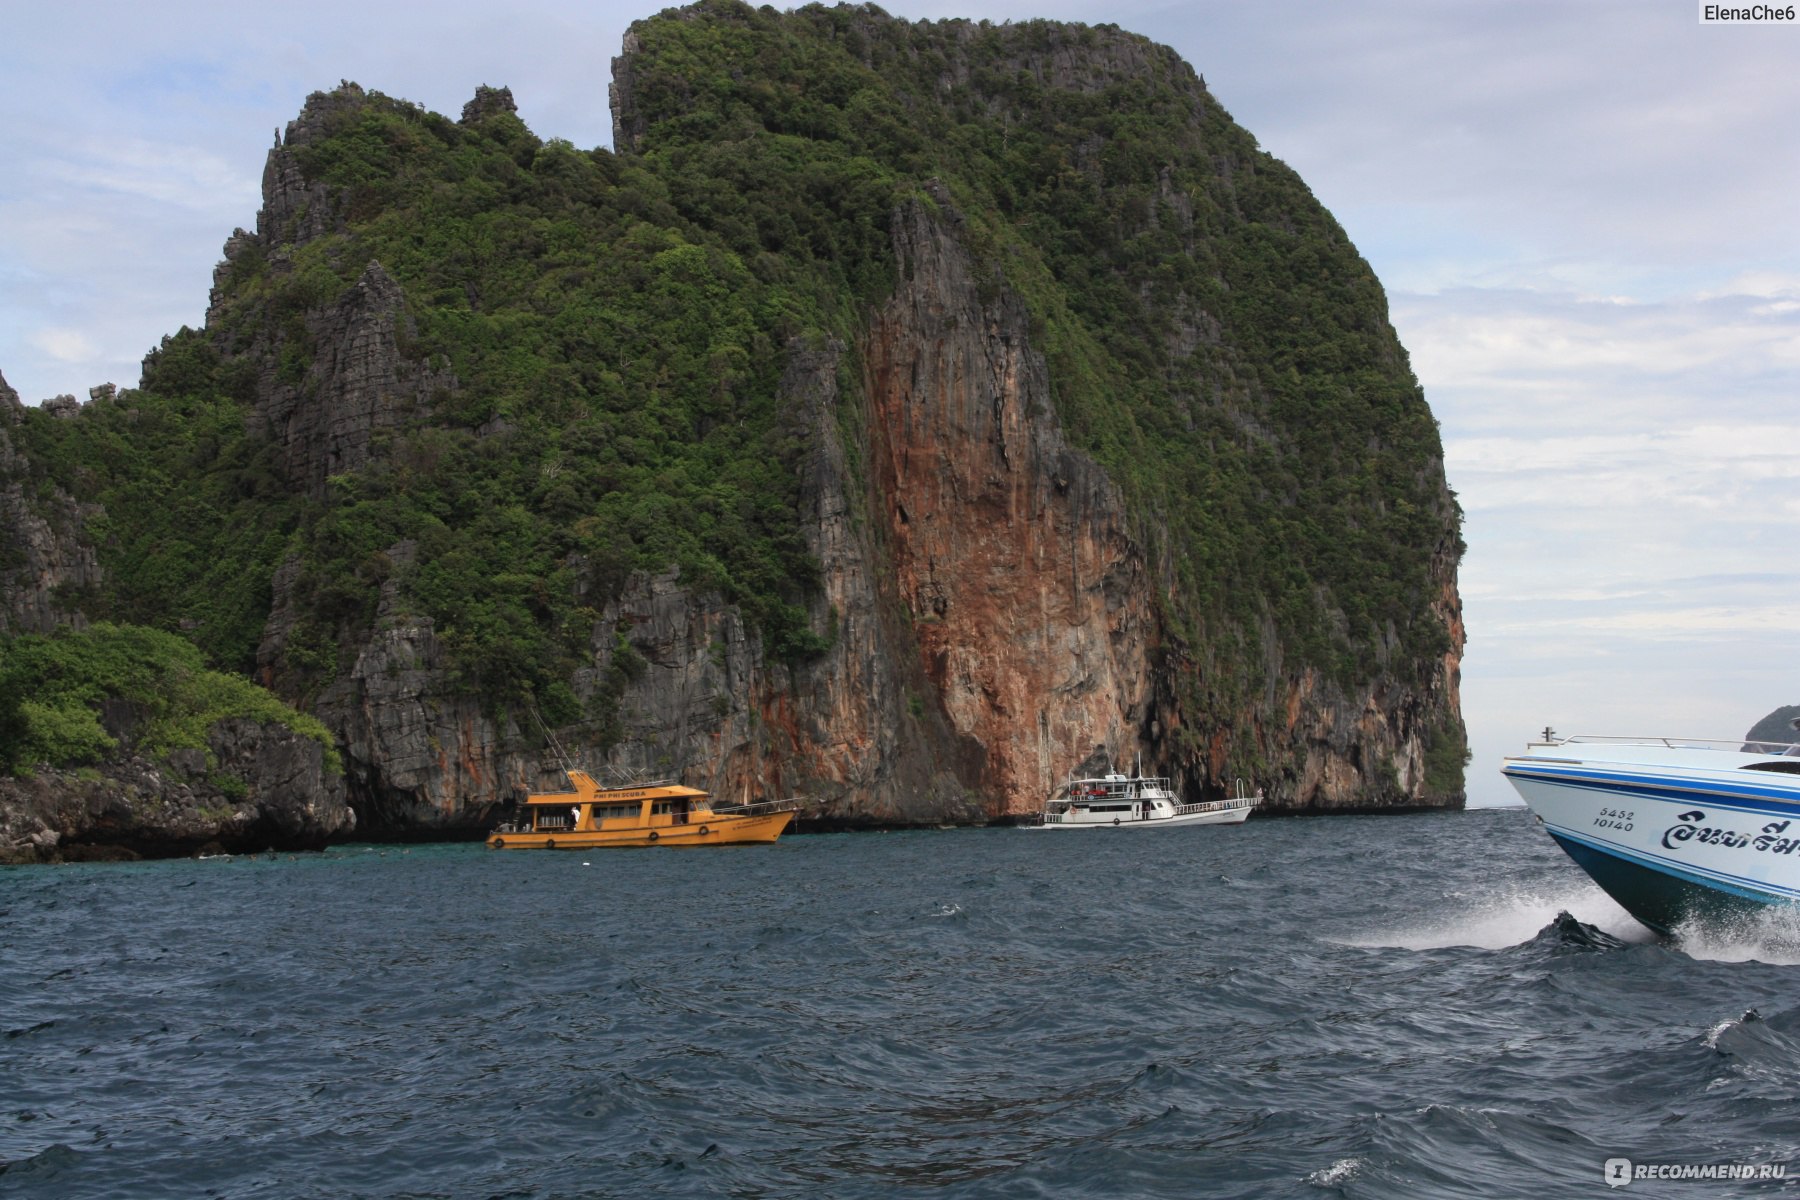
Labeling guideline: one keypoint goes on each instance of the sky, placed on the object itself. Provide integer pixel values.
(1584, 215)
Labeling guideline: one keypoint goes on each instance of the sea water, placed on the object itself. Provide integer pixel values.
(1357, 1006)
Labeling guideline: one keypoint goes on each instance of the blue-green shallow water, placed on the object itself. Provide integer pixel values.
(1365, 1006)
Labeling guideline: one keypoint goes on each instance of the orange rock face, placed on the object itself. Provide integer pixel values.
(1008, 549)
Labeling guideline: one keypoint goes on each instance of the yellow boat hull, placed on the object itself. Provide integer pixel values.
(715, 830)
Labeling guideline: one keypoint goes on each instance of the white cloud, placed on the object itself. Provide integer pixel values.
(64, 345)
(141, 170)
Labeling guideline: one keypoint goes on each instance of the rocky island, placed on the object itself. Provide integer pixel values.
(904, 414)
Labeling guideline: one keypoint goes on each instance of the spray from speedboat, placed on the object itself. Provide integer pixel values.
(1769, 935)
(1508, 916)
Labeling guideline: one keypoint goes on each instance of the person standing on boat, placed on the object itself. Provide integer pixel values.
(574, 815)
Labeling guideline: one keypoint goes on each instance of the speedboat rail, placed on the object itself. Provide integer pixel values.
(1681, 743)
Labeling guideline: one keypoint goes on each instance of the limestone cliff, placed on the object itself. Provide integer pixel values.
(1049, 620)
(1075, 424)
(255, 786)
(995, 617)
(44, 553)
(356, 384)
(994, 621)
(264, 787)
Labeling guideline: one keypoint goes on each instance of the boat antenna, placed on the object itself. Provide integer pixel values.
(620, 775)
(561, 758)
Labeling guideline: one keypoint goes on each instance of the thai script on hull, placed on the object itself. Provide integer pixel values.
(1690, 827)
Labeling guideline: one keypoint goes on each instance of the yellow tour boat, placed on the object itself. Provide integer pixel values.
(591, 817)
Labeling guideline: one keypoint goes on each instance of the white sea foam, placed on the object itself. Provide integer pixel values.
(1341, 1171)
(1507, 916)
(1771, 935)
(1711, 1040)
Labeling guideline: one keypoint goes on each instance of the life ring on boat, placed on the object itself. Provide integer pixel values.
(703, 831)
(499, 843)
(654, 835)
(549, 843)
(1115, 820)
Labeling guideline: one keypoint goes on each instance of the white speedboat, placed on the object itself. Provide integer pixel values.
(1671, 828)
(1136, 802)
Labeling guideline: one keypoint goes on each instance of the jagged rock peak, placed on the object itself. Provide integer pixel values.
(295, 211)
(236, 245)
(317, 110)
(11, 410)
(488, 102)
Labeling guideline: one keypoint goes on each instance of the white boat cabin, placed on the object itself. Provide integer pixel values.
(1135, 801)
(1113, 799)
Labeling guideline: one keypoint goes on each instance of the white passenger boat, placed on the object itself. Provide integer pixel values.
(1136, 802)
(1671, 828)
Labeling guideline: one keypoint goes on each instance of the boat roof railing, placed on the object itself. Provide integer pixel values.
(562, 797)
(1741, 745)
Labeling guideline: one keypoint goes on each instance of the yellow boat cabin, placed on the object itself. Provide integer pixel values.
(591, 817)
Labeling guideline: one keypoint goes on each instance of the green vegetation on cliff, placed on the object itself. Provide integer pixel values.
(616, 325)
(52, 689)
(195, 515)
(1214, 339)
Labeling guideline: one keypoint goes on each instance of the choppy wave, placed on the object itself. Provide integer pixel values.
(1410, 1006)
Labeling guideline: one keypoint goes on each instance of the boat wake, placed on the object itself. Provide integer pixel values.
(1509, 917)
(1583, 914)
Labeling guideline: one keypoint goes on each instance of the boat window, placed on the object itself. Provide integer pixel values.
(1109, 808)
(1785, 767)
(614, 812)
